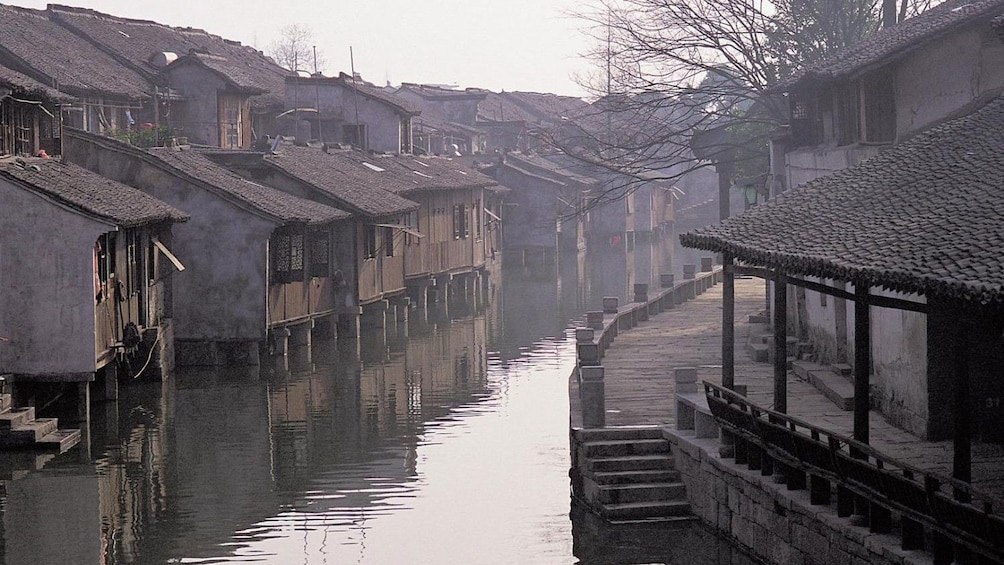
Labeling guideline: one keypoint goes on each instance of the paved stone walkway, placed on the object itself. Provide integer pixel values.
(639, 382)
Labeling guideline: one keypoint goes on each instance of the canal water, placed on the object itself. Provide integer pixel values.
(439, 441)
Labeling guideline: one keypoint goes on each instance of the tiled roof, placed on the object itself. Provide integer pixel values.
(359, 188)
(23, 85)
(406, 174)
(400, 103)
(895, 40)
(431, 92)
(89, 192)
(924, 216)
(42, 49)
(234, 74)
(550, 167)
(136, 41)
(285, 207)
(530, 107)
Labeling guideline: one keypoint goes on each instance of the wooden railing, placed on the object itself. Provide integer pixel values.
(962, 521)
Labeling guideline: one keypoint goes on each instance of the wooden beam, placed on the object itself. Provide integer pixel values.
(862, 362)
(746, 270)
(780, 343)
(728, 322)
(962, 415)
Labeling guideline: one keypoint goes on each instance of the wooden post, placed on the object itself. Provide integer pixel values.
(862, 361)
(780, 343)
(728, 323)
(962, 414)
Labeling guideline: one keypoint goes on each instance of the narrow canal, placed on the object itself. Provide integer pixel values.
(440, 441)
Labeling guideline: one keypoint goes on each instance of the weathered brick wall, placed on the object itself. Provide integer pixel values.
(772, 523)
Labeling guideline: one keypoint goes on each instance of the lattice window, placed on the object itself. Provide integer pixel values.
(319, 255)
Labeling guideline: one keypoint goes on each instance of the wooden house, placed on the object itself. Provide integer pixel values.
(349, 111)
(916, 232)
(29, 115)
(87, 272)
(108, 95)
(234, 90)
(452, 251)
(210, 100)
(377, 277)
(852, 107)
(259, 260)
(446, 125)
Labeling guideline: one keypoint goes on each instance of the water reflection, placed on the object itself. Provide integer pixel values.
(439, 440)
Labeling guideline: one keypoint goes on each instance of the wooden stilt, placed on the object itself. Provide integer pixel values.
(962, 415)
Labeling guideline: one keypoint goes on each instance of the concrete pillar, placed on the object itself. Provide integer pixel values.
(640, 292)
(707, 264)
(609, 304)
(591, 394)
(594, 320)
(666, 280)
(689, 271)
(685, 379)
(84, 403)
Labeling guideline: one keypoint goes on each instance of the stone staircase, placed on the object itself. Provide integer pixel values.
(627, 474)
(19, 429)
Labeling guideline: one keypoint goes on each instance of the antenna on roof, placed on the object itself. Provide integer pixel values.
(355, 98)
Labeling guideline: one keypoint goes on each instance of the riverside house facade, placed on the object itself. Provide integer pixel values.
(87, 272)
(858, 104)
(260, 262)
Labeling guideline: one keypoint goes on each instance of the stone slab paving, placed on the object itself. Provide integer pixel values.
(639, 383)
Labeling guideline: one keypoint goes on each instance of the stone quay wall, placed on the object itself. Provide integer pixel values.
(771, 522)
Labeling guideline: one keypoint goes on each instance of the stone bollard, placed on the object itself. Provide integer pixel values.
(666, 280)
(609, 304)
(584, 335)
(588, 354)
(707, 264)
(641, 292)
(685, 379)
(689, 271)
(594, 320)
(591, 396)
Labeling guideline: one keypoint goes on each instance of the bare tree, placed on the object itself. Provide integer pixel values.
(673, 68)
(294, 49)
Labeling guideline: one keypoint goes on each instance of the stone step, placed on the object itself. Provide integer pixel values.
(28, 433)
(16, 416)
(645, 492)
(631, 511)
(843, 369)
(595, 449)
(757, 351)
(637, 476)
(60, 440)
(618, 433)
(17, 464)
(803, 368)
(632, 463)
(835, 387)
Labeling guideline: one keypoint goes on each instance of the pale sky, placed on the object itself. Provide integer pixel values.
(529, 45)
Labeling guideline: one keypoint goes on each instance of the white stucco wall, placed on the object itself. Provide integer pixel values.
(941, 78)
(46, 285)
(899, 363)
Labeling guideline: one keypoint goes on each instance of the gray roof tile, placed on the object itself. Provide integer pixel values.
(285, 207)
(924, 216)
(89, 192)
